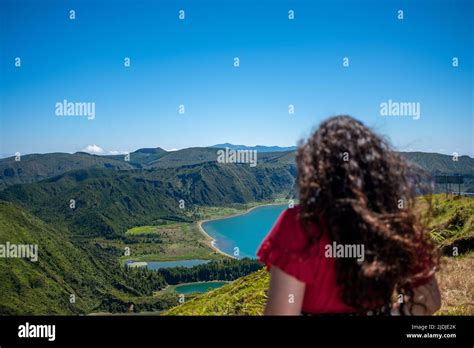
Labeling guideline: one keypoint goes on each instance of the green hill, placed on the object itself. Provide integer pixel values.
(199, 155)
(106, 202)
(45, 281)
(436, 163)
(141, 157)
(37, 167)
(185, 157)
(65, 267)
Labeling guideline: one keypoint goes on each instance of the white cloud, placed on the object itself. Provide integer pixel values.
(95, 149)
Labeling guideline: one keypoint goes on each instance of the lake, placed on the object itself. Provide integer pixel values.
(244, 231)
(199, 287)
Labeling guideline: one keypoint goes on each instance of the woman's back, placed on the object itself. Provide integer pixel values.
(356, 241)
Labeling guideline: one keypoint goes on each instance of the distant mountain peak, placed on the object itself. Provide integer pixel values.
(150, 150)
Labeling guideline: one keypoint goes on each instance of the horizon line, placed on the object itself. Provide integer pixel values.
(105, 153)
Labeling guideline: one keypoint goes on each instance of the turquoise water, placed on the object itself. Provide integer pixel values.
(182, 263)
(198, 287)
(243, 231)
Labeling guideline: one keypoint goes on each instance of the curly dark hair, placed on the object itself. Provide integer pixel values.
(364, 193)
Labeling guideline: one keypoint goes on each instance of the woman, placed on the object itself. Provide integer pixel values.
(355, 195)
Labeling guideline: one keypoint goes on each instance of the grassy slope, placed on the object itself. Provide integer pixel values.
(36, 167)
(457, 285)
(437, 163)
(90, 272)
(50, 281)
(453, 223)
(244, 296)
(247, 295)
(177, 242)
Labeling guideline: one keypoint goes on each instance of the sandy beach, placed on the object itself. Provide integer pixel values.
(211, 241)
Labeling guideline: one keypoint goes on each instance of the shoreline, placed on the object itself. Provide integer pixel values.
(212, 241)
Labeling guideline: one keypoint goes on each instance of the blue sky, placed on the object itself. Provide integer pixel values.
(190, 62)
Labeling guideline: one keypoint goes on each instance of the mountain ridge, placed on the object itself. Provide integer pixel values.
(37, 167)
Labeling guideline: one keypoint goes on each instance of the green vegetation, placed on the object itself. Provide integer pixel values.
(227, 269)
(181, 242)
(33, 168)
(437, 164)
(168, 242)
(88, 270)
(141, 157)
(169, 227)
(36, 167)
(452, 223)
(175, 289)
(244, 296)
(64, 268)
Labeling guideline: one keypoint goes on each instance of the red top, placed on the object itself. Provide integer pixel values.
(286, 247)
